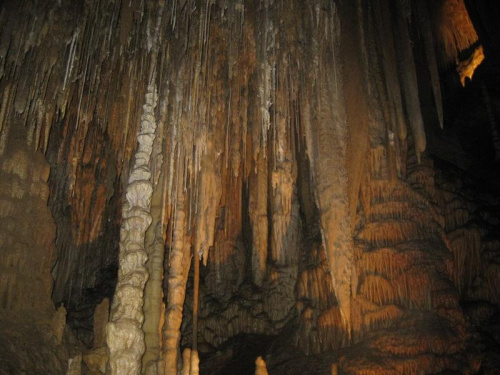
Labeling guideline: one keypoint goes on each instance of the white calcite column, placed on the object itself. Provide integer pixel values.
(125, 338)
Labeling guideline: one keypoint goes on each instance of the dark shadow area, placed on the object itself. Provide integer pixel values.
(235, 356)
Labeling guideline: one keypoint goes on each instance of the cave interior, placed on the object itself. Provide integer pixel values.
(249, 187)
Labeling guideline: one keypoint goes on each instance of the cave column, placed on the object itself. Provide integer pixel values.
(125, 338)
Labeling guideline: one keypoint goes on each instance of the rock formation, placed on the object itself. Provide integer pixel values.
(204, 183)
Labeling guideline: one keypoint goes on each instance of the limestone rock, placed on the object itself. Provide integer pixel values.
(96, 361)
(260, 366)
(59, 323)
(101, 315)
(75, 365)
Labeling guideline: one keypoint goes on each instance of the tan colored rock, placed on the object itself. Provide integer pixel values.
(75, 365)
(18, 164)
(195, 363)
(96, 360)
(101, 316)
(260, 366)
(180, 260)
(59, 323)
(152, 367)
(326, 132)
(186, 362)
(27, 232)
(258, 217)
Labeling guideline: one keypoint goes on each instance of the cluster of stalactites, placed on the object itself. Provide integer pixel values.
(458, 42)
(240, 99)
(222, 137)
(454, 29)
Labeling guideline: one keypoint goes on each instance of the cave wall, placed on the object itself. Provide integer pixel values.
(28, 230)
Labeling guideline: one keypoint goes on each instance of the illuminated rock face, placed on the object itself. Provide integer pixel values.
(260, 367)
(281, 144)
(27, 231)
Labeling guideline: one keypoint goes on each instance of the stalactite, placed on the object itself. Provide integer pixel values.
(258, 186)
(424, 19)
(284, 130)
(208, 201)
(179, 261)
(266, 70)
(408, 77)
(455, 31)
(325, 145)
(283, 172)
(354, 56)
(4, 113)
(125, 338)
(390, 69)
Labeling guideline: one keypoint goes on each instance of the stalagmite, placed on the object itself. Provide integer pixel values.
(260, 366)
(195, 362)
(125, 338)
(186, 362)
(75, 365)
(96, 361)
(196, 301)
